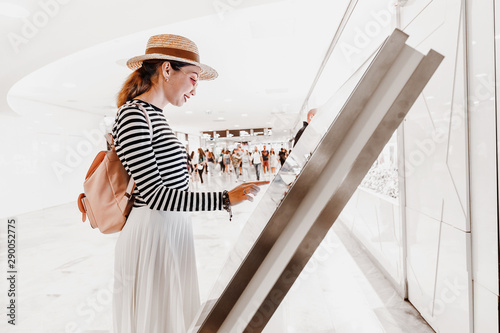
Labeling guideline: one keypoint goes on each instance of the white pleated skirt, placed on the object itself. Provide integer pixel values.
(156, 283)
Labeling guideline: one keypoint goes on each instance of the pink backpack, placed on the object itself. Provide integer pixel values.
(107, 198)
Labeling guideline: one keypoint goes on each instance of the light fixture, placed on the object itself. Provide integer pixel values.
(13, 10)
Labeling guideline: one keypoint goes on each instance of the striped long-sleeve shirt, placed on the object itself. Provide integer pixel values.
(157, 161)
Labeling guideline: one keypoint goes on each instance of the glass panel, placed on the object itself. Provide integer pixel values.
(285, 178)
(383, 175)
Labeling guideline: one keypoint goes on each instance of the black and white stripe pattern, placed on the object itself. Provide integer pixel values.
(158, 164)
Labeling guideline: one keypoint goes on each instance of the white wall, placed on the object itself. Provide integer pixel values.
(436, 170)
(450, 158)
(194, 143)
(483, 146)
(45, 157)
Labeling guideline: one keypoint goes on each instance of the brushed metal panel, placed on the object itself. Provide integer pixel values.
(298, 182)
(337, 202)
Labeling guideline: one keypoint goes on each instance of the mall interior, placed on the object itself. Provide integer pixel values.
(415, 249)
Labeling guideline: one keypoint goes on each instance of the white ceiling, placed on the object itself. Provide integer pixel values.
(267, 54)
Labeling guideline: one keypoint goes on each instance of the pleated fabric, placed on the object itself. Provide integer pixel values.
(156, 283)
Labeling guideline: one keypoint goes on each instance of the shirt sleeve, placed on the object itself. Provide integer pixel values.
(133, 139)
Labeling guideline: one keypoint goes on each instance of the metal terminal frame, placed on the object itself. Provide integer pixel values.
(322, 187)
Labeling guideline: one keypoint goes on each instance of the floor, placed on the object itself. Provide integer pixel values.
(65, 276)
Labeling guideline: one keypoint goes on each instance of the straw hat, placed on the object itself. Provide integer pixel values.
(173, 47)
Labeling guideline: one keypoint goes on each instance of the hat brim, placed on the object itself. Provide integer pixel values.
(207, 72)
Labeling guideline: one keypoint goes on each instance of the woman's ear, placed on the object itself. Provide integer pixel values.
(166, 69)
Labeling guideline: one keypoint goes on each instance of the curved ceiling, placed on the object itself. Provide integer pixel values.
(267, 54)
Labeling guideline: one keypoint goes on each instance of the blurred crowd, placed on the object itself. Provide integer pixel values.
(239, 164)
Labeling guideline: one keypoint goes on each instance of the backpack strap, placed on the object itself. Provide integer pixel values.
(109, 137)
(146, 115)
(128, 193)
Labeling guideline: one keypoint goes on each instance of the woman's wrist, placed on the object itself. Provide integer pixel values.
(226, 203)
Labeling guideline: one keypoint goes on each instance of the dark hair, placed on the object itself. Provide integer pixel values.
(141, 80)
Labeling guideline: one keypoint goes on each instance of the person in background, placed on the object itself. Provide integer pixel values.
(236, 161)
(221, 161)
(256, 162)
(310, 116)
(211, 163)
(227, 161)
(240, 154)
(189, 166)
(265, 159)
(194, 172)
(273, 161)
(202, 162)
(206, 160)
(282, 156)
(194, 162)
(245, 165)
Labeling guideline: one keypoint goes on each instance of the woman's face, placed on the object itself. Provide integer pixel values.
(181, 84)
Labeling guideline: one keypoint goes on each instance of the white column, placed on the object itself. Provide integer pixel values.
(483, 161)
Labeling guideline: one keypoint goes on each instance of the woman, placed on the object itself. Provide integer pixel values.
(190, 162)
(201, 163)
(236, 161)
(221, 161)
(206, 161)
(256, 160)
(211, 163)
(282, 155)
(156, 284)
(273, 161)
(245, 164)
(227, 161)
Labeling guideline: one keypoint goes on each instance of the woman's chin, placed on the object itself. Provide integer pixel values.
(179, 103)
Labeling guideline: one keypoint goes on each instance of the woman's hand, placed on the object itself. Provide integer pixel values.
(242, 192)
